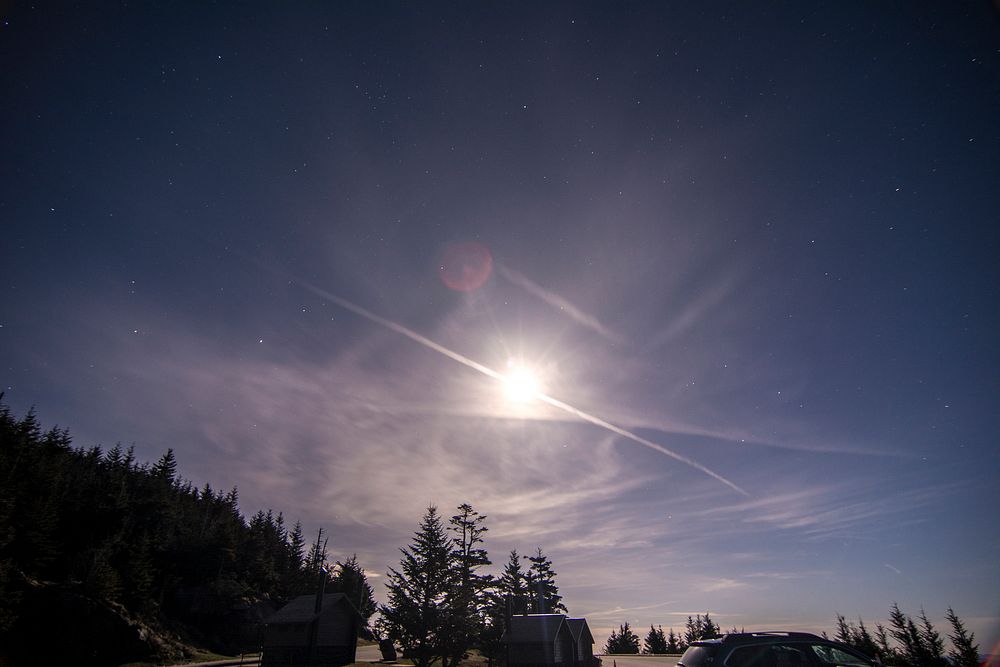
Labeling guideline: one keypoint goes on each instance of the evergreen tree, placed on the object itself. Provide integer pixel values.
(913, 650)
(349, 578)
(964, 653)
(886, 652)
(612, 643)
(542, 589)
(673, 643)
(622, 642)
(166, 468)
(655, 642)
(692, 629)
(513, 585)
(467, 600)
(708, 628)
(507, 595)
(415, 616)
(932, 641)
(864, 642)
(843, 630)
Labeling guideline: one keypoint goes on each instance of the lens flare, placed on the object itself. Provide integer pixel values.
(520, 385)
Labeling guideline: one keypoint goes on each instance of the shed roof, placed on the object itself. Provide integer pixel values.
(580, 630)
(303, 608)
(535, 629)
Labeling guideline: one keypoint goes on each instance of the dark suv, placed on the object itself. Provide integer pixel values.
(772, 649)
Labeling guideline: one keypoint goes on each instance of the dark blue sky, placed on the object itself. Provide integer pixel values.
(763, 238)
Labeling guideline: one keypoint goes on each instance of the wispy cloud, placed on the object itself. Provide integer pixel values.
(559, 303)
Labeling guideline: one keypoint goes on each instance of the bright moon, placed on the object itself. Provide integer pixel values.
(520, 385)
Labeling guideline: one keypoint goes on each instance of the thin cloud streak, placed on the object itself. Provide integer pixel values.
(489, 372)
(559, 303)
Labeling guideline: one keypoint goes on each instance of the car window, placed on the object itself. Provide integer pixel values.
(772, 655)
(696, 656)
(833, 656)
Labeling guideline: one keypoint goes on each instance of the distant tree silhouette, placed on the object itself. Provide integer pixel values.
(624, 641)
(673, 643)
(709, 628)
(655, 642)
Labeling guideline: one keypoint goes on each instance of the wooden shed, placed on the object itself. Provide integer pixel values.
(313, 631)
(539, 640)
(583, 642)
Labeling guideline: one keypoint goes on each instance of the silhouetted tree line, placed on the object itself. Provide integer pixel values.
(624, 640)
(114, 529)
(904, 643)
(909, 643)
(440, 602)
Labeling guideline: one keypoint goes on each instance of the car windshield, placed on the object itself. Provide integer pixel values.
(831, 655)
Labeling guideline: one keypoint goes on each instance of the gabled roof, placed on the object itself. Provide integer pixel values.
(535, 629)
(303, 608)
(579, 629)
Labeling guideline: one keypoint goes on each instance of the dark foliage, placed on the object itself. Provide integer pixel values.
(419, 592)
(129, 534)
(622, 641)
(965, 652)
(655, 642)
(541, 583)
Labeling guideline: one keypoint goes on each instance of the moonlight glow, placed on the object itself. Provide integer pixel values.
(520, 385)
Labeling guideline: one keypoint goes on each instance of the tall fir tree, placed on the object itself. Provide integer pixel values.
(418, 592)
(467, 600)
(964, 652)
(932, 641)
(507, 595)
(542, 588)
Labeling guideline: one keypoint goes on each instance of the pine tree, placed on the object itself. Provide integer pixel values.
(931, 639)
(623, 642)
(612, 643)
(708, 628)
(513, 586)
(843, 630)
(964, 653)
(166, 468)
(542, 587)
(693, 629)
(655, 642)
(349, 578)
(467, 600)
(863, 640)
(885, 651)
(507, 595)
(418, 592)
(673, 643)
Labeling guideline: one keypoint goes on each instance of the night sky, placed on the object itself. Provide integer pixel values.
(755, 243)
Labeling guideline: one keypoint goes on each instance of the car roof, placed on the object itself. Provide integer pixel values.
(759, 637)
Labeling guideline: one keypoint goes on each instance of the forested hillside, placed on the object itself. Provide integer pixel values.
(117, 558)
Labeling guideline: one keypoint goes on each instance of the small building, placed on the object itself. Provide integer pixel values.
(583, 642)
(539, 640)
(313, 631)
